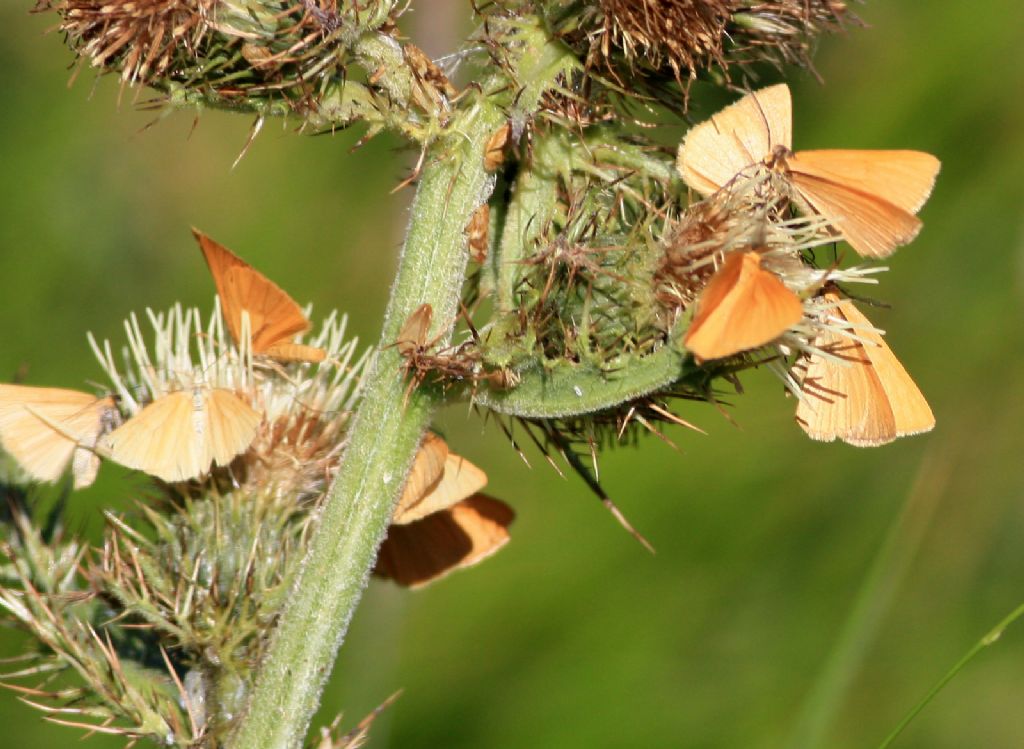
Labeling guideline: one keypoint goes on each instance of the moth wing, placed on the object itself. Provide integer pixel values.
(903, 178)
(742, 307)
(87, 425)
(428, 469)
(85, 464)
(744, 133)
(42, 429)
(295, 352)
(274, 317)
(165, 439)
(232, 425)
(910, 410)
(430, 548)
(477, 233)
(871, 225)
(485, 520)
(844, 400)
(707, 326)
(219, 259)
(460, 479)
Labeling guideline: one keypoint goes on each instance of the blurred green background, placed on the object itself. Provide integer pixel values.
(574, 636)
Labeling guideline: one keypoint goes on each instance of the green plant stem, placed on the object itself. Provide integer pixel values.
(382, 443)
(990, 638)
(385, 433)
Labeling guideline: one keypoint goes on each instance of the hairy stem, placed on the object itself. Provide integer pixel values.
(382, 443)
(385, 433)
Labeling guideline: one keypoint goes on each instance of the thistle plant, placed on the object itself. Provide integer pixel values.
(564, 271)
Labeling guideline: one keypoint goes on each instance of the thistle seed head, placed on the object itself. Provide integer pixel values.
(143, 38)
(253, 52)
(635, 41)
(784, 32)
(682, 35)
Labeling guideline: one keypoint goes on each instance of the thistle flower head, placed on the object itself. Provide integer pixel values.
(144, 38)
(264, 55)
(302, 408)
(784, 32)
(636, 39)
(619, 283)
(682, 35)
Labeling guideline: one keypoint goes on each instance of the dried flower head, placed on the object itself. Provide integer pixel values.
(633, 39)
(144, 38)
(784, 32)
(261, 55)
(682, 35)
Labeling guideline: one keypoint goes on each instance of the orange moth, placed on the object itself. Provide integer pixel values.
(871, 197)
(441, 523)
(179, 435)
(494, 151)
(45, 429)
(427, 471)
(274, 317)
(438, 480)
(863, 396)
(477, 233)
(461, 536)
(742, 307)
